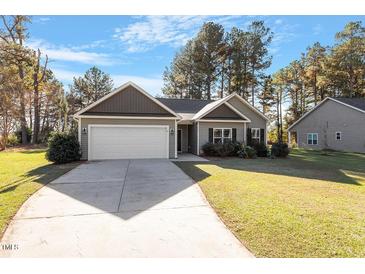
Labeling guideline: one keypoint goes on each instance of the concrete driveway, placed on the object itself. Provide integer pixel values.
(121, 208)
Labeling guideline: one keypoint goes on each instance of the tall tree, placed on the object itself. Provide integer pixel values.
(208, 46)
(38, 79)
(13, 35)
(259, 57)
(89, 88)
(349, 58)
(266, 97)
(239, 68)
(315, 61)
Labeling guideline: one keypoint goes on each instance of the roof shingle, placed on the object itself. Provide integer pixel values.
(355, 102)
(184, 105)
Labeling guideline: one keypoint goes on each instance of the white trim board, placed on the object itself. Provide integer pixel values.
(222, 121)
(120, 89)
(126, 126)
(128, 117)
(212, 106)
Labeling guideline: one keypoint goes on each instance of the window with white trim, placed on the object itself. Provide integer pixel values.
(312, 138)
(339, 135)
(222, 135)
(255, 135)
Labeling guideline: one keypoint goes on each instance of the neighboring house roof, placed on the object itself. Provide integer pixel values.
(354, 103)
(120, 89)
(185, 105)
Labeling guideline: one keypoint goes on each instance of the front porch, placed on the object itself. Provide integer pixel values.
(189, 157)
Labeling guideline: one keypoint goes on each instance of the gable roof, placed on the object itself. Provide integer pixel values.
(121, 89)
(358, 103)
(210, 107)
(354, 103)
(185, 105)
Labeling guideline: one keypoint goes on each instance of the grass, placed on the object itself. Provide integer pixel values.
(23, 172)
(311, 204)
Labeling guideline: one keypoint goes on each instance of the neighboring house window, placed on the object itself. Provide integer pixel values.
(312, 138)
(338, 135)
(255, 135)
(222, 135)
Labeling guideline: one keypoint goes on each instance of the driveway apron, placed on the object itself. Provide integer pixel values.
(120, 208)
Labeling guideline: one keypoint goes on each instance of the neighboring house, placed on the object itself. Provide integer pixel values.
(335, 123)
(130, 123)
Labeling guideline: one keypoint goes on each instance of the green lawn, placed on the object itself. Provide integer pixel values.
(21, 174)
(311, 204)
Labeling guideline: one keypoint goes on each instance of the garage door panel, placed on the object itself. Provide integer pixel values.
(128, 142)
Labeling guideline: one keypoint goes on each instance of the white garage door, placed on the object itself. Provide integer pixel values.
(128, 142)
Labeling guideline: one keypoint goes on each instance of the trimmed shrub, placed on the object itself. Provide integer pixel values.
(221, 150)
(246, 152)
(261, 150)
(12, 140)
(63, 148)
(279, 150)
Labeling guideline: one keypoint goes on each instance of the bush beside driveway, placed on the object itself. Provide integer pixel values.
(23, 172)
(309, 205)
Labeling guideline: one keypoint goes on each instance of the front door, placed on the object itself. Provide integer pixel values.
(179, 135)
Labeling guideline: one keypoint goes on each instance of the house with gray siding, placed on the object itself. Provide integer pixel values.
(130, 123)
(335, 123)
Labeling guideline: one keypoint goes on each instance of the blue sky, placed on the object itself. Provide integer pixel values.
(138, 48)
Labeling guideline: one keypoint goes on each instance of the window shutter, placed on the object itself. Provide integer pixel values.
(249, 137)
(262, 135)
(210, 135)
(234, 134)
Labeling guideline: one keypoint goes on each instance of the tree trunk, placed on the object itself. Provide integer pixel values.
(36, 115)
(315, 89)
(23, 121)
(253, 88)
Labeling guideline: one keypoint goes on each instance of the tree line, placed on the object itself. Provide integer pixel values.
(32, 101)
(211, 65)
(215, 63)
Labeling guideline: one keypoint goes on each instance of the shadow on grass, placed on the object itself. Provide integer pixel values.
(42, 175)
(336, 167)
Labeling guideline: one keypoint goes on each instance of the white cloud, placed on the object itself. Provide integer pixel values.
(317, 29)
(70, 54)
(41, 20)
(152, 85)
(278, 21)
(152, 31)
(65, 76)
(283, 33)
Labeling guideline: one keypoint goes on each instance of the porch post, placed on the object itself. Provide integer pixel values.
(289, 137)
(197, 139)
(244, 133)
(175, 139)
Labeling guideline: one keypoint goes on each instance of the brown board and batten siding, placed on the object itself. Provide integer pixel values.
(222, 112)
(85, 122)
(129, 102)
